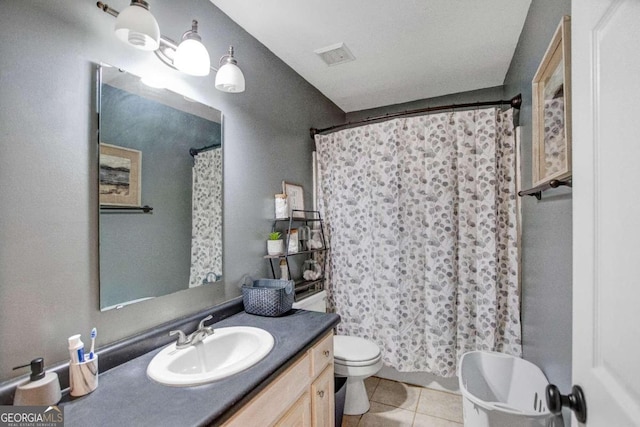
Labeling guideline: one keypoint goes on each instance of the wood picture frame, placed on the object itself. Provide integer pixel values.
(295, 198)
(120, 176)
(551, 91)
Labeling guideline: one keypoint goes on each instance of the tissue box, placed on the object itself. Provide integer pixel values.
(268, 297)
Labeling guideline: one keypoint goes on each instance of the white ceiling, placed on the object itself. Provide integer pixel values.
(405, 49)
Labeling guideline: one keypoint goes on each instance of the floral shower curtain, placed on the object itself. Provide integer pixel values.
(420, 214)
(206, 221)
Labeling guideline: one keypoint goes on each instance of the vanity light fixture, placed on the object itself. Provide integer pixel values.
(138, 27)
(229, 77)
(135, 27)
(191, 56)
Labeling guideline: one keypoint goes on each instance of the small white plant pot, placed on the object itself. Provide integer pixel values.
(275, 247)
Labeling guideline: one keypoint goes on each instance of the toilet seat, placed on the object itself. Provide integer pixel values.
(355, 351)
(357, 363)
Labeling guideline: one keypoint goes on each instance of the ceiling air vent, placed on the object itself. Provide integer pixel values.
(335, 54)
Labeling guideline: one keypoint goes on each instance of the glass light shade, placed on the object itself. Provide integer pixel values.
(230, 78)
(137, 27)
(192, 58)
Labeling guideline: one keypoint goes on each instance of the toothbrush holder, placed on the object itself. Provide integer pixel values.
(83, 377)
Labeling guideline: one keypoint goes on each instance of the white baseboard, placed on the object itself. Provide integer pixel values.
(422, 379)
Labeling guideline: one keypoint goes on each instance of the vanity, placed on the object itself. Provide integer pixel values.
(292, 385)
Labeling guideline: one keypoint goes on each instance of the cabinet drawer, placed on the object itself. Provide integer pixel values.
(321, 355)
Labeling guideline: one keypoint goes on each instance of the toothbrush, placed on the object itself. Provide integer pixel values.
(94, 333)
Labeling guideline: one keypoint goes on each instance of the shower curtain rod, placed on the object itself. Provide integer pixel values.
(195, 151)
(514, 102)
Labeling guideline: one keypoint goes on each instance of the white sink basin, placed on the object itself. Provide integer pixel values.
(226, 352)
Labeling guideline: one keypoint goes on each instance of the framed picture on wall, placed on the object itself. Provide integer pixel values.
(120, 176)
(295, 198)
(551, 90)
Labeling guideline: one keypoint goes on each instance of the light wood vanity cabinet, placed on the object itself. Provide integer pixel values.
(301, 396)
(299, 415)
(322, 399)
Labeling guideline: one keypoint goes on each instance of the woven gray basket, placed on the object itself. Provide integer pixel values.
(268, 297)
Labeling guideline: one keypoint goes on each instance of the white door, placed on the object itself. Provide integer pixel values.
(606, 209)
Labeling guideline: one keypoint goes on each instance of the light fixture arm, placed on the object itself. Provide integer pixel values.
(105, 8)
(168, 42)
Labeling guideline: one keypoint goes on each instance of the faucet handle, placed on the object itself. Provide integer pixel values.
(182, 338)
(201, 325)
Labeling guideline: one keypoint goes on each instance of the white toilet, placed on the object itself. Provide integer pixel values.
(354, 358)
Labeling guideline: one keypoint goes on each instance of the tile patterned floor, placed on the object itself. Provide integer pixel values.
(403, 405)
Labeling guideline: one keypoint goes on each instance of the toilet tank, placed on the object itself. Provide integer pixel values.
(316, 302)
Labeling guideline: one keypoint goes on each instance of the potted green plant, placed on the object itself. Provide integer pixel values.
(275, 244)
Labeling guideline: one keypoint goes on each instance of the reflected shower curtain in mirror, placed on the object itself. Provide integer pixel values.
(420, 213)
(206, 222)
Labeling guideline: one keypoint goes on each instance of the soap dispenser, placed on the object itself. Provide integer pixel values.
(42, 388)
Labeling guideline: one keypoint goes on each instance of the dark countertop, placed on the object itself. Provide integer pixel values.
(126, 396)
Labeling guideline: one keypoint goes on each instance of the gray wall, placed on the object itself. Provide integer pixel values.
(48, 192)
(546, 224)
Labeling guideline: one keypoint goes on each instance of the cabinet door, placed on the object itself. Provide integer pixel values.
(322, 399)
(299, 415)
(276, 399)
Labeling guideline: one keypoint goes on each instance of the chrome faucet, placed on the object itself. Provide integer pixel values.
(200, 334)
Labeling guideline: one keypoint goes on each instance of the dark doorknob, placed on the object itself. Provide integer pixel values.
(574, 401)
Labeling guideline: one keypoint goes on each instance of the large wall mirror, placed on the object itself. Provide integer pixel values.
(160, 184)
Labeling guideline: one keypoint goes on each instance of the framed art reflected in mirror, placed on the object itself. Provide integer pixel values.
(120, 170)
(551, 90)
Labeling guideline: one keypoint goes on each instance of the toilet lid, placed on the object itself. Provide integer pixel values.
(354, 349)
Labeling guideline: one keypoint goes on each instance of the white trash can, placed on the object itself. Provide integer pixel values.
(500, 390)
